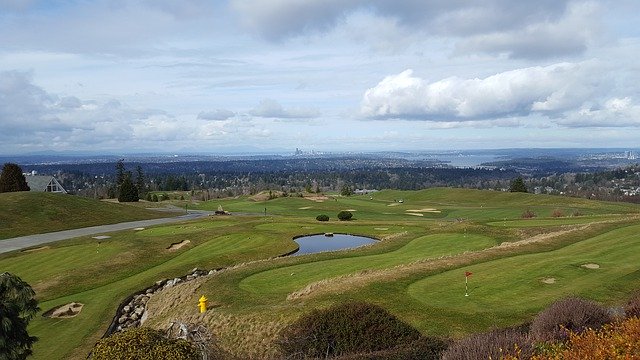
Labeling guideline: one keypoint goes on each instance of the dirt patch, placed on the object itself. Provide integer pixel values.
(548, 280)
(176, 246)
(380, 228)
(319, 198)
(64, 311)
(265, 195)
(36, 249)
(101, 237)
(427, 210)
(415, 214)
(305, 208)
(591, 266)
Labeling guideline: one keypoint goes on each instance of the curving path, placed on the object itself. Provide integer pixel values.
(23, 242)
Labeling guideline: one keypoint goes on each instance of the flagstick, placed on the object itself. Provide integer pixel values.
(466, 288)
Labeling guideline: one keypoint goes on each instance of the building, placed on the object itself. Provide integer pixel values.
(44, 183)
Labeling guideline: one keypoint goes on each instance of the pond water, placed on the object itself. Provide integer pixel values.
(317, 243)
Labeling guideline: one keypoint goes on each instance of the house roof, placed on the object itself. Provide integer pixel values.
(40, 182)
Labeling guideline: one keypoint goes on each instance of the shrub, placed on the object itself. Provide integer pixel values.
(614, 341)
(322, 217)
(343, 329)
(570, 314)
(557, 213)
(345, 215)
(491, 345)
(143, 344)
(633, 306)
(528, 214)
(425, 348)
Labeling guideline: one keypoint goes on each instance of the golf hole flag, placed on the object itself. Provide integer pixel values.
(466, 282)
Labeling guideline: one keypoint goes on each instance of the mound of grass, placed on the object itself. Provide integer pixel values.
(27, 213)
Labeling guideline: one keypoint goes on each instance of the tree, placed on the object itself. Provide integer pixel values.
(128, 192)
(346, 190)
(119, 172)
(12, 179)
(517, 185)
(17, 307)
(322, 217)
(140, 180)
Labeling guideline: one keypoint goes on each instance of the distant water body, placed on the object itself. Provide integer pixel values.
(467, 160)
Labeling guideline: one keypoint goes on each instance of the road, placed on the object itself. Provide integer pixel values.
(23, 242)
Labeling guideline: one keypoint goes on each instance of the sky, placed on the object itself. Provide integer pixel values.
(235, 76)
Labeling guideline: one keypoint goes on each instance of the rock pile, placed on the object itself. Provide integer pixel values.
(132, 312)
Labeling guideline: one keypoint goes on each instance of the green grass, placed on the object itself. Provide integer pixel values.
(100, 276)
(27, 213)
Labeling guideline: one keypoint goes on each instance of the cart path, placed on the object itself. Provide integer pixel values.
(23, 242)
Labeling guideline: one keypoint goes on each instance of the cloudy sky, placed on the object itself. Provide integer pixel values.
(330, 75)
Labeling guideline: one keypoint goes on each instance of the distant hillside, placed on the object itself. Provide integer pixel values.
(26, 213)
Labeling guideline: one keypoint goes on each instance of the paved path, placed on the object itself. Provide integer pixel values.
(28, 241)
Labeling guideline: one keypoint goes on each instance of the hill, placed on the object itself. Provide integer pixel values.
(26, 213)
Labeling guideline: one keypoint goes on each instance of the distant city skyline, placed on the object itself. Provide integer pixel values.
(264, 76)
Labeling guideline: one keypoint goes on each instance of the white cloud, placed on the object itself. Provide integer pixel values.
(551, 90)
(218, 114)
(270, 108)
(615, 112)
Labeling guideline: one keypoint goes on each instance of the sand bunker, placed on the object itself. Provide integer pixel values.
(591, 266)
(549, 280)
(177, 246)
(352, 210)
(138, 229)
(305, 208)
(380, 228)
(64, 311)
(37, 249)
(394, 204)
(415, 214)
(427, 210)
(101, 237)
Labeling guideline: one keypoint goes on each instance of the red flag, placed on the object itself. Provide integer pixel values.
(467, 274)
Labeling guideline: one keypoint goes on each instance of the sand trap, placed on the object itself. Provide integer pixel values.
(549, 280)
(352, 210)
(317, 198)
(177, 246)
(305, 208)
(415, 214)
(64, 311)
(138, 229)
(37, 249)
(427, 210)
(380, 228)
(101, 237)
(591, 266)
(394, 204)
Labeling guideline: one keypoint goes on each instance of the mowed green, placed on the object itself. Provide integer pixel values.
(508, 291)
(26, 213)
(102, 273)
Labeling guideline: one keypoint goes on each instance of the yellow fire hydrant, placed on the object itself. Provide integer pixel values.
(202, 304)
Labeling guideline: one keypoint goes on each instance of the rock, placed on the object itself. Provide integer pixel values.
(139, 310)
(126, 308)
(190, 277)
(134, 317)
(122, 319)
(195, 270)
(149, 291)
(211, 272)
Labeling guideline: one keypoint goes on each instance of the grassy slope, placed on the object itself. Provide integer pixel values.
(100, 277)
(26, 213)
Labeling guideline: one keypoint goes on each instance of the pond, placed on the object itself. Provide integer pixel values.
(310, 244)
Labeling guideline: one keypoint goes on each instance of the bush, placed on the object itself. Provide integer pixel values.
(633, 306)
(614, 341)
(143, 344)
(557, 213)
(570, 314)
(528, 214)
(322, 217)
(345, 215)
(494, 344)
(349, 328)
(425, 348)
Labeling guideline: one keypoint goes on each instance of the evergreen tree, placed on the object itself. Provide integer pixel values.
(517, 185)
(128, 191)
(17, 307)
(120, 174)
(12, 179)
(140, 180)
